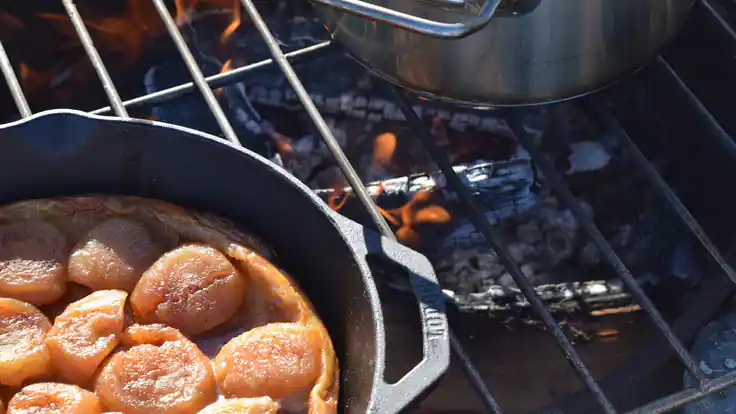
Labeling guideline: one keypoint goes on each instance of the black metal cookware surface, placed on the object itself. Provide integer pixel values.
(66, 152)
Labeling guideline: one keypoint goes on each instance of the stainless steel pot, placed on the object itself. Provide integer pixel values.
(503, 52)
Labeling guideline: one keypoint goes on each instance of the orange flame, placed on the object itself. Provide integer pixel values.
(225, 67)
(234, 24)
(404, 217)
(184, 9)
(411, 215)
(283, 144)
(384, 147)
(33, 80)
(338, 197)
(432, 214)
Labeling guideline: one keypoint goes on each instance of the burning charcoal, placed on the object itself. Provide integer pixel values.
(191, 110)
(537, 239)
(715, 351)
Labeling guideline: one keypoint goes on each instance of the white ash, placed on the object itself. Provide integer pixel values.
(587, 156)
(538, 240)
(715, 351)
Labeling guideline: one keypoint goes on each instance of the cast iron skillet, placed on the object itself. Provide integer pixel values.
(64, 152)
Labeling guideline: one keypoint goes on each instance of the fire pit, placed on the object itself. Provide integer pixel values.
(549, 216)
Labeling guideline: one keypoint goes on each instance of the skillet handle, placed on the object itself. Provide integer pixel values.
(392, 398)
(416, 24)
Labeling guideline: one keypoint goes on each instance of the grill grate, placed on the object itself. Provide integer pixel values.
(205, 85)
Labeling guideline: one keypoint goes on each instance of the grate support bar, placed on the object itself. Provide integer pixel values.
(479, 221)
(356, 183)
(674, 401)
(332, 145)
(561, 190)
(95, 59)
(193, 67)
(662, 187)
(13, 85)
(712, 123)
(219, 80)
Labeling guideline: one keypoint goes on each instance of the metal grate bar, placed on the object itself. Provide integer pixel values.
(332, 145)
(356, 184)
(474, 377)
(479, 221)
(721, 21)
(712, 122)
(205, 85)
(661, 186)
(221, 79)
(13, 85)
(687, 396)
(94, 57)
(610, 255)
(191, 63)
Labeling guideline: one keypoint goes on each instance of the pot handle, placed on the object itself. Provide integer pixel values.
(392, 398)
(417, 24)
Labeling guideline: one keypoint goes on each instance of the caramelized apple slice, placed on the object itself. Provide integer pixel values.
(274, 360)
(174, 377)
(262, 405)
(52, 397)
(23, 351)
(154, 334)
(192, 288)
(85, 334)
(32, 262)
(113, 255)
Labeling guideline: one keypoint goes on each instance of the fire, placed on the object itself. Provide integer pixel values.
(234, 24)
(184, 9)
(410, 214)
(384, 147)
(33, 81)
(283, 144)
(415, 211)
(120, 38)
(338, 197)
(225, 67)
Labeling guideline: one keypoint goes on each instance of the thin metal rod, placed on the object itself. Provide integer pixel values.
(661, 186)
(219, 80)
(319, 122)
(94, 57)
(476, 381)
(476, 216)
(197, 76)
(13, 85)
(721, 21)
(562, 192)
(687, 396)
(700, 109)
(355, 182)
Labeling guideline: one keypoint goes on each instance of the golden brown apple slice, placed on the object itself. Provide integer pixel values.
(23, 350)
(173, 377)
(154, 334)
(85, 334)
(113, 255)
(192, 288)
(262, 405)
(32, 262)
(52, 397)
(274, 360)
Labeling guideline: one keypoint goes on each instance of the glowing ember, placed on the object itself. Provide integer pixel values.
(432, 214)
(225, 68)
(384, 147)
(233, 26)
